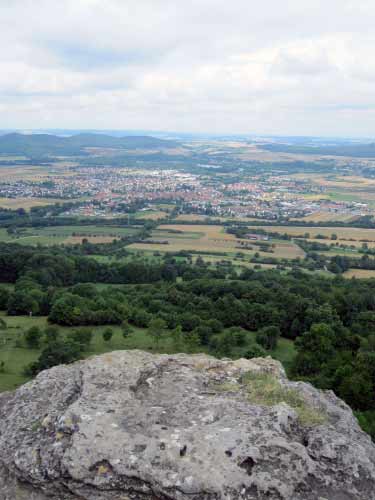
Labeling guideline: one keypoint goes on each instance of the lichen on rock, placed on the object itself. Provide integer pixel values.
(132, 425)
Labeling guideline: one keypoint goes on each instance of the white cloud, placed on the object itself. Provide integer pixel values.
(294, 67)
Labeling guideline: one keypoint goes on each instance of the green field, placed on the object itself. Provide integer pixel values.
(17, 358)
(56, 235)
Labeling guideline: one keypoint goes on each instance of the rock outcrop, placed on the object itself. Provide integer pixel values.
(131, 425)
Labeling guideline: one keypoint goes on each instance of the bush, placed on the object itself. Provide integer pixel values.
(55, 353)
(82, 337)
(268, 336)
(255, 351)
(51, 333)
(107, 334)
(126, 329)
(33, 337)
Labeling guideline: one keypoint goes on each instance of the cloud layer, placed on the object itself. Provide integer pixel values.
(294, 67)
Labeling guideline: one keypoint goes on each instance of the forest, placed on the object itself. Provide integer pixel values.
(330, 321)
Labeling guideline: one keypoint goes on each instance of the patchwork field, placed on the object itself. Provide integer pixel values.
(209, 238)
(343, 233)
(57, 235)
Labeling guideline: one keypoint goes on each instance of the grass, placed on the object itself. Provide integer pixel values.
(56, 235)
(17, 358)
(285, 352)
(265, 390)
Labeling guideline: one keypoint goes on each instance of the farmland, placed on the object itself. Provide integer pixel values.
(26, 203)
(349, 234)
(359, 273)
(56, 235)
(209, 238)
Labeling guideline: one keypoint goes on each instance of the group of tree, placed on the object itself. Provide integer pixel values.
(332, 321)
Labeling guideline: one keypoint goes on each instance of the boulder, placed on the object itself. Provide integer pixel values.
(132, 425)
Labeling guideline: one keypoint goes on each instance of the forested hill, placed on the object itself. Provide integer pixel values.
(46, 144)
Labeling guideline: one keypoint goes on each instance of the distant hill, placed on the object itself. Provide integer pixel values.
(52, 145)
(351, 150)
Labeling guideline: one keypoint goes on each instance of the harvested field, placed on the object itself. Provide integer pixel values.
(151, 215)
(210, 238)
(343, 233)
(27, 203)
(359, 273)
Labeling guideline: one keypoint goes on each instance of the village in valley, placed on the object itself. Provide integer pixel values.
(108, 192)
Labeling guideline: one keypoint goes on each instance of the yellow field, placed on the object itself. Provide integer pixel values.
(337, 181)
(207, 238)
(27, 203)
(192, 217)
(343, 233)
(359, 273)
(23, 172)
(326, 217)
(202, 218)
(152, 215)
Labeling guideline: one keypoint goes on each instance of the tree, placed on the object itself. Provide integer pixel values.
(177, 338)
(107, 334)
(157, 328)
(204, 333)
(141, 318)
(215, 325)
(268, 336)
(3, 327)
(189, 321)
(51, 333)
(4, 297)
(82, 337)
(55, 353)
(32, 337)
(255, 351)
(126, 329)
(192, 341)
(21, 302)
(315, 348)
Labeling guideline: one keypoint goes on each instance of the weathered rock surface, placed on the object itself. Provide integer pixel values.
(131, 425)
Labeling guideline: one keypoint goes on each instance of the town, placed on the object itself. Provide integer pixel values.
(109, 191)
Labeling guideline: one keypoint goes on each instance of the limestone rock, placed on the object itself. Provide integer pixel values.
(132, 425)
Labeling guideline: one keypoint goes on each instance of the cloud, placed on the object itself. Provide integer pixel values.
(295, 67)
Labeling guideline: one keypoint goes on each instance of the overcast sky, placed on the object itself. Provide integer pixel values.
(240, 66)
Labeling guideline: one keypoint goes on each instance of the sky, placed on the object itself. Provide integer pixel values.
(292, 67)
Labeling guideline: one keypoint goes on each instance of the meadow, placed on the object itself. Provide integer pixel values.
(56, 235)
(17, 358)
